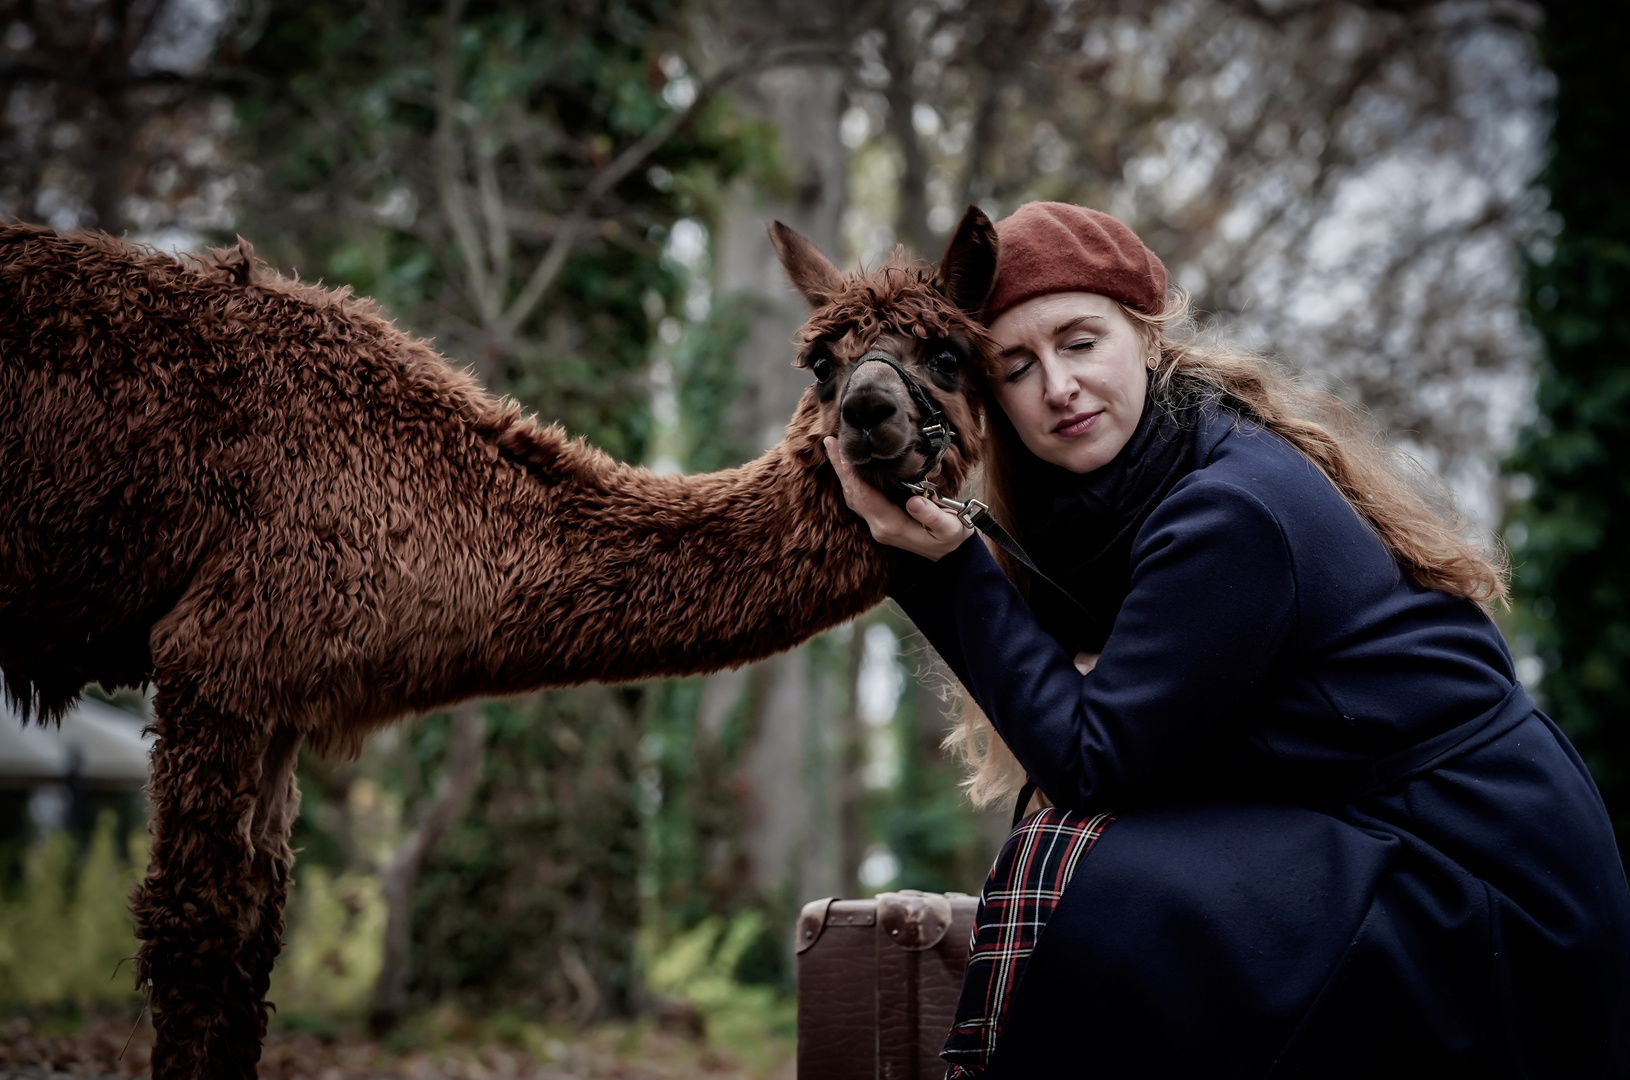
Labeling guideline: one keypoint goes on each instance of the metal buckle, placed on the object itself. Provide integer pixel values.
(925, 488)
(971, 510)
(966, 512)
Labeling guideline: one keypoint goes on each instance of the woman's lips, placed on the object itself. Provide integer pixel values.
(1077, 425)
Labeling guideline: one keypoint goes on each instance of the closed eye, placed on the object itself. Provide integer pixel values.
(1081, 346)
(1013, 375)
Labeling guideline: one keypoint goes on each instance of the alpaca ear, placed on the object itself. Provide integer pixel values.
(967, 271)
(810, 272)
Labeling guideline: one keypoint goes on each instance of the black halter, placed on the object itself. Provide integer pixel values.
(937, 432)
(932, 426)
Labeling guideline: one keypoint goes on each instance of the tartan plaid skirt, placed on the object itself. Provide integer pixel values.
(1024, 887)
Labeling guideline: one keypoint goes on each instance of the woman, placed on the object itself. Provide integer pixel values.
(1305, 821)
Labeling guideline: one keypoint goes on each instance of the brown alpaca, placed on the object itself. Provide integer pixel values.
(298, 522)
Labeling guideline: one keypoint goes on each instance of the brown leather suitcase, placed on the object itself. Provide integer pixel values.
(878, 982)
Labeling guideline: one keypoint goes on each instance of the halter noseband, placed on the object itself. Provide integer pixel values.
(932, 426)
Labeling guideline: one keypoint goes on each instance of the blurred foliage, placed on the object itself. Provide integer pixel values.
(926, 822)
(532, 902)
(694, 862)
(332, 953)
(109, 123)
(700, 967)
(924, 819)
(66, 927)
(1572, 582)
(697, 869)
(708, 379)
(358, 177)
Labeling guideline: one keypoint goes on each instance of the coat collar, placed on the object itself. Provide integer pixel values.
(1084, 541)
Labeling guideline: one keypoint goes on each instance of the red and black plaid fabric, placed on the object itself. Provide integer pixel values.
(1024, 887)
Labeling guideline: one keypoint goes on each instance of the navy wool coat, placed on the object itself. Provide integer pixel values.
(1347, 844)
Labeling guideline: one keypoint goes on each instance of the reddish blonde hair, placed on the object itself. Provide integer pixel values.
(1390, 492)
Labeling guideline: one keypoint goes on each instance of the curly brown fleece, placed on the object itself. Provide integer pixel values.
(300, 523)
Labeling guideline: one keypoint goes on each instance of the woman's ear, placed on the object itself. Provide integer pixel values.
(1149, 335)
(967, 271)
(810, 272)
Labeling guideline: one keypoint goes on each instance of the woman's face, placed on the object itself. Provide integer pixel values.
(1071, 375)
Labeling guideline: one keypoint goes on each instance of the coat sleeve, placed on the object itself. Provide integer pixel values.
(1212, 602)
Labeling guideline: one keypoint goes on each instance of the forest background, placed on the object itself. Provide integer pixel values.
(570, 198)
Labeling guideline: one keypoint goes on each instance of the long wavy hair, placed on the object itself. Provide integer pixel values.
(1410, 512)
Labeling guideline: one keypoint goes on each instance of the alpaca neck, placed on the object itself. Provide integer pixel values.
(676, 575)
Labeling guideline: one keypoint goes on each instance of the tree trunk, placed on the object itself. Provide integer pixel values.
(111, 177)
(851, 761)
(466, 744)
(911, 221)
(788, 779)
(805, 104)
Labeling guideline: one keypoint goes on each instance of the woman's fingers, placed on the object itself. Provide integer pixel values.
(840, 464)
(940, 522)
(923, 527)
(862, 498)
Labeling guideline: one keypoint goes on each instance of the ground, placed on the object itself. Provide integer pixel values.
(40, 1048)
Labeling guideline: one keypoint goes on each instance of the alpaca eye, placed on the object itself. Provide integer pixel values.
(822, 367)
(944, 361)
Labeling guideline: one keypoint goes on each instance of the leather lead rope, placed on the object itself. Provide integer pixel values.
(977, 516)
(1019, 808)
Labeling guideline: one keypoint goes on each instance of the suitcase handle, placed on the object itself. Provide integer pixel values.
(914, 920)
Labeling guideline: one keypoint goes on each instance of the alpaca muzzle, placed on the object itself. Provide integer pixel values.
(878, 426)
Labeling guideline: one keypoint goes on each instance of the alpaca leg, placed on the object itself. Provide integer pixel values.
(197, 907)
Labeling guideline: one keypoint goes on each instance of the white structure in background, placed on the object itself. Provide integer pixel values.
(97, 747)
(878, 688)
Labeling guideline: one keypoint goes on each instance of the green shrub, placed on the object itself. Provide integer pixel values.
(66, 927)
(699, 966)
(333, 946)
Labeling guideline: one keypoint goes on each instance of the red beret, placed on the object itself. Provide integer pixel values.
(1050, 247)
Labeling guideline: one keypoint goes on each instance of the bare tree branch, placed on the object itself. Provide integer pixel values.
(483, 290)
(466, 746)
(572, 226)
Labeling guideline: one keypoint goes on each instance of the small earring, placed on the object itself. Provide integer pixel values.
(1151, 363)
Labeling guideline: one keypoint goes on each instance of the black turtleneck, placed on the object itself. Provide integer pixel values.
(1084, 524)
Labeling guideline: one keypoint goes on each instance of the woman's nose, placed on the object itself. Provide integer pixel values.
(1058, 388)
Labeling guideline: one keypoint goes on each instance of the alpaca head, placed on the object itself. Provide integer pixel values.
(871, 331)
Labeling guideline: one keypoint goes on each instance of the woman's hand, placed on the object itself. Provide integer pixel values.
(921, 528)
